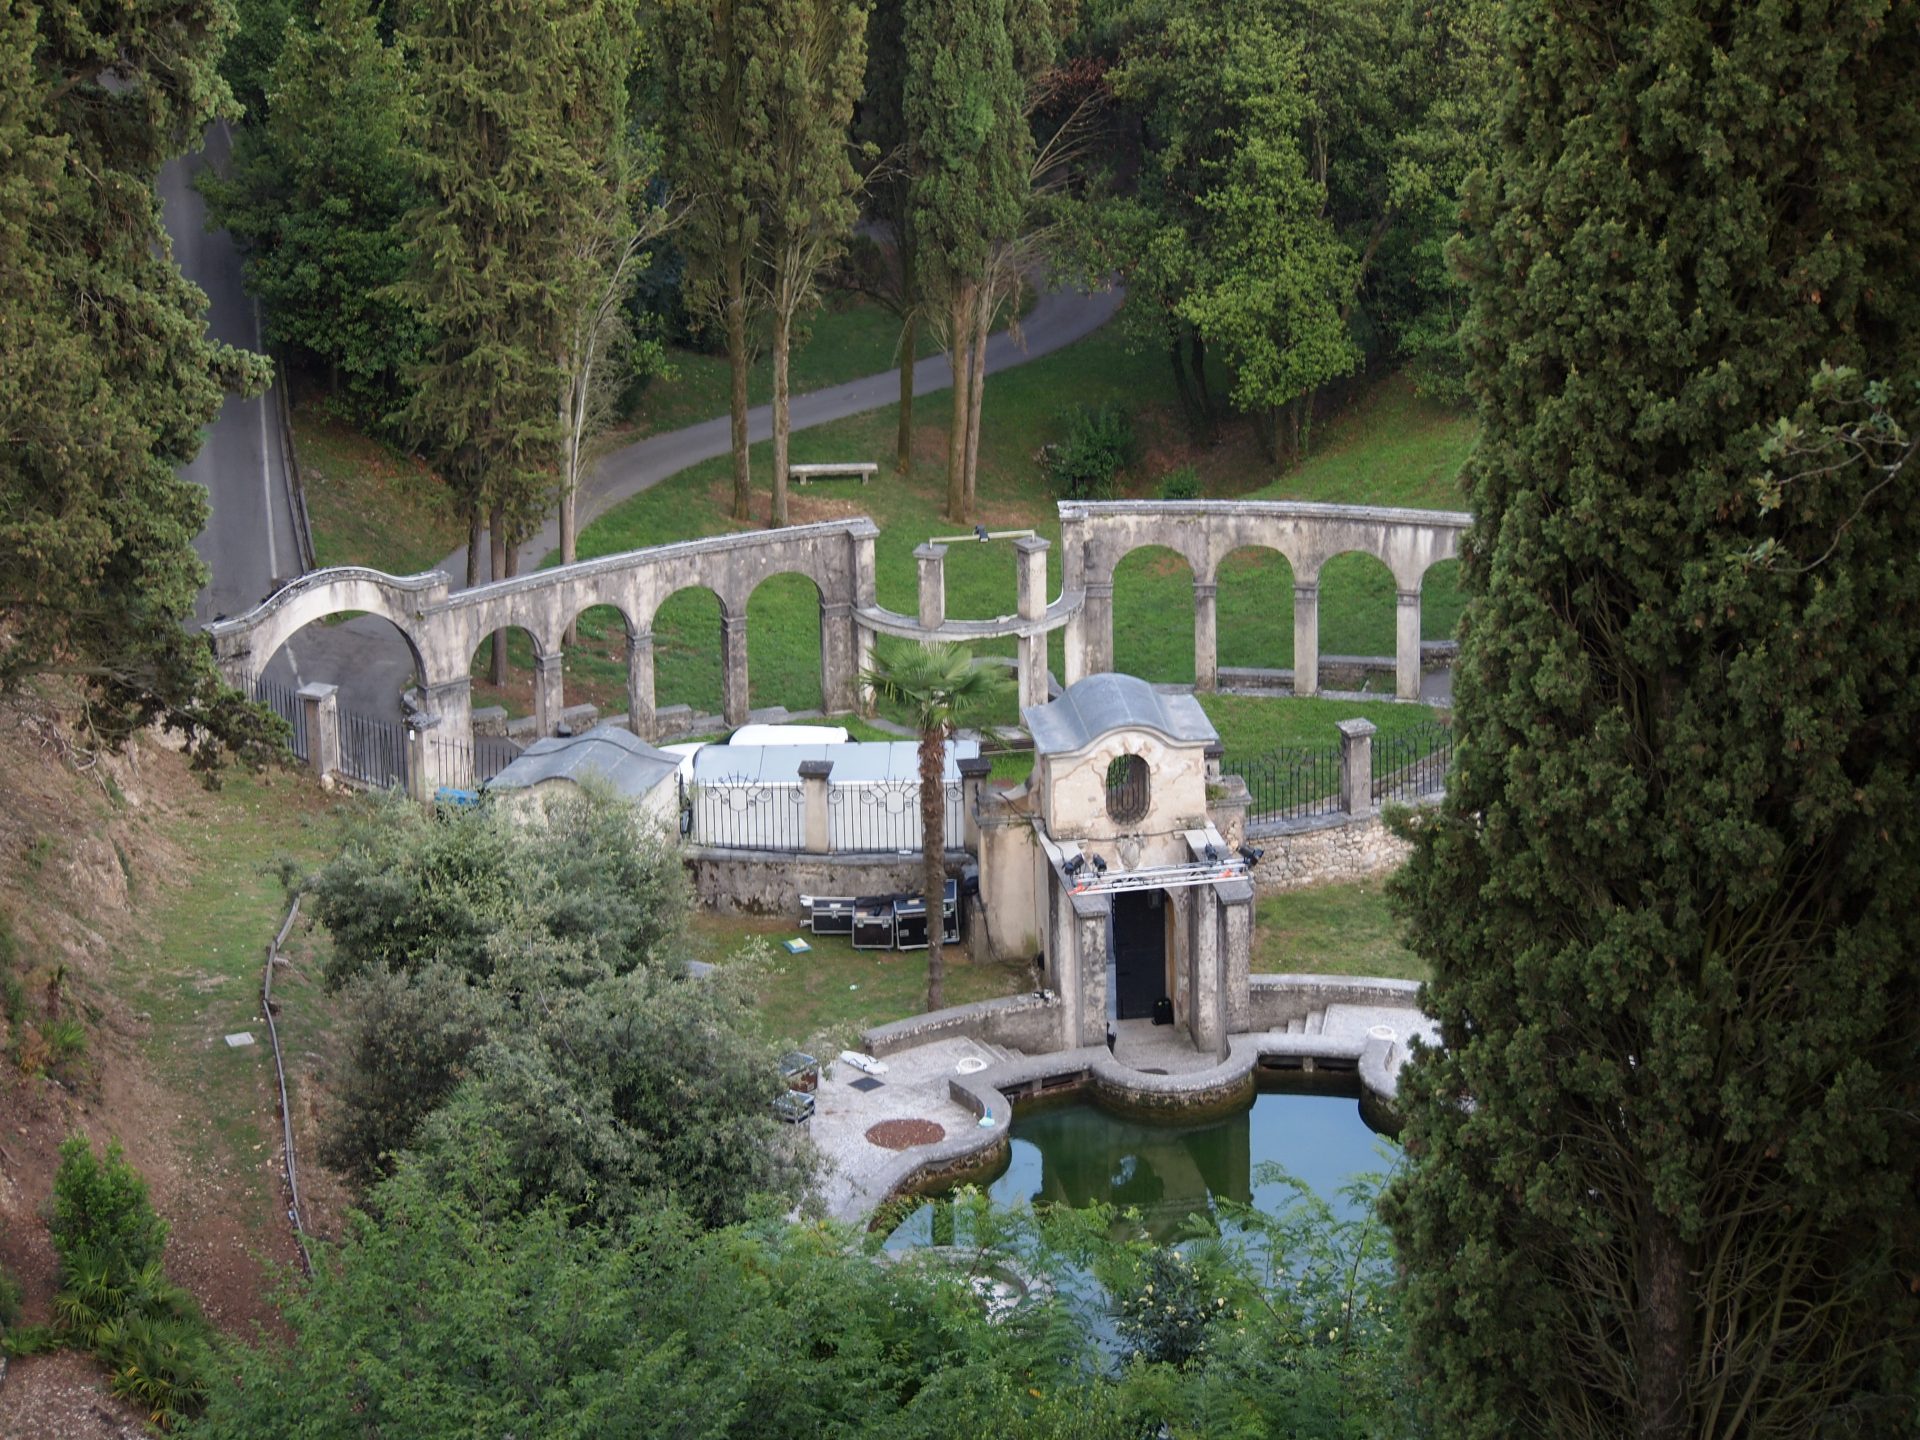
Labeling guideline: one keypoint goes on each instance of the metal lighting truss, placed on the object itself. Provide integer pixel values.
(1088, 881)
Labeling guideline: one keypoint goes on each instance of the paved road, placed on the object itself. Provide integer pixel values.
(1057, 319)
(249, 540)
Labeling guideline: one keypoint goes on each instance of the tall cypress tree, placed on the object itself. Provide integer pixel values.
(107, 374)
(969, 152)
(1664, 1168)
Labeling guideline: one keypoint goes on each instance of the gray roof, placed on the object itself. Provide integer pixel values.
(869, 761)
(1101, 704)
(617, 757)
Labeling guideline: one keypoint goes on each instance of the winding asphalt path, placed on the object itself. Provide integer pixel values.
(249, 544)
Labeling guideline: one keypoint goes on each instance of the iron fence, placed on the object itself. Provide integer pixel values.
(736, 813)
(885, 815)
(1412, 763)
(1290, 783)
(284, 701)
(374, 752)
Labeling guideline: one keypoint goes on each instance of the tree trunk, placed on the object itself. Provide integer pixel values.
(1183, 387)
(497, 553)
(959, 332)
(782, 339)
(1197, 363)
(903, 437)
(737, 404)
(475, 529)
(977, 390)
(569, 550)
(1662, 1367)
(933, 856)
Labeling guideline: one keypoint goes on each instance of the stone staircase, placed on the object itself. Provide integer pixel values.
(997, 1054)
(1314, 1023)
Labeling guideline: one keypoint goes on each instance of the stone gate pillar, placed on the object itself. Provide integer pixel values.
(549, 692)
(932, 560)
(733, 667)
(1206, 646)
(1306, 639)
(1090, 634)
(1030, 560)
(839, 658)
(1406, 646)
(640, 704)
(320, 706)
(445, 743)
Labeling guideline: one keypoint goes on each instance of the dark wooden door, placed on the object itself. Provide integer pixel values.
(1139, 952)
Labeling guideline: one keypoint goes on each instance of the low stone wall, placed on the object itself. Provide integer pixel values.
(1276, 1000)
(1325, 848)
(771, 882)
(1020, 1022)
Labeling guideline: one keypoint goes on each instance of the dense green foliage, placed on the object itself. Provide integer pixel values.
(106, 372)
(1665, 1164)
(1299, 167)
(1085, 463)
(515, 1001)
(115, 1299)
(434, 1320)
(316, 196)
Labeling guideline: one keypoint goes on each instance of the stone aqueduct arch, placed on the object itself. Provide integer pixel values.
(444, 626)
(1097, 536)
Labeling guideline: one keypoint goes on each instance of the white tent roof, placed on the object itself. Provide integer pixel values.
(853, 763)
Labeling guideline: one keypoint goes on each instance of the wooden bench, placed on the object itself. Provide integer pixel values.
(801, 474)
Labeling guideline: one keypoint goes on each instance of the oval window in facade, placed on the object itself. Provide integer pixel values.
(1128, 789)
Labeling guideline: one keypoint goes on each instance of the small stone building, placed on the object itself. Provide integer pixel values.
(1113, 865)
(615, 758)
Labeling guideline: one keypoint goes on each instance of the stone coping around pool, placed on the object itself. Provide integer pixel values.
(1216, 1089)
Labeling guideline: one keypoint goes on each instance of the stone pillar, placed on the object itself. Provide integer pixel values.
(733, 667)
(1090, 634)
(549, 692)
(640, 683)
(444, 747)
(839, 658)
(1206, 646)
(1406, 646)
(1236, 938)
(932, 560)
(320, 705)
(1205, 1017)
(973, 775)
(863, 666)
(813, 788)
(1030, 572)
(1306, 639)
(1356, 766)
(1214, 754)
(1093, 916)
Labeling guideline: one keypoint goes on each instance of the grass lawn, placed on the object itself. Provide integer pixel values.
(199, 975)
(1332, 930)
(833, 991)
(370, 504)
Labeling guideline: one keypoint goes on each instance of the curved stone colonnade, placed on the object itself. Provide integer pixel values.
(444, 627)
(1097, 535)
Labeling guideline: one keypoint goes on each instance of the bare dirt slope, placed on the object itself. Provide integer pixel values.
(108, 867)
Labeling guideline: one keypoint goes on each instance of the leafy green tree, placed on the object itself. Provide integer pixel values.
(101, 1205)
(970, 156)
(812, 54)
(714, 134)
(409, 890)
(1665, 1159)
(254, 46)
(317, 195)
(106, 372)
(942, 688)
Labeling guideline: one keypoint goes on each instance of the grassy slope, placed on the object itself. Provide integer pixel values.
(369, 504)
(1332, 930)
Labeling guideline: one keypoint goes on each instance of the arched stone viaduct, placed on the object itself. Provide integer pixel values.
(1097, 536)
(444, 627)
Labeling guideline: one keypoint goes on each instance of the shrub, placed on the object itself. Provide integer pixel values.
(1099, 444)
(10, 1298)
(1181, 484)
(101, 1209)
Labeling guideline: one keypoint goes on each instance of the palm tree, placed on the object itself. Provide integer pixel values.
(942, 686)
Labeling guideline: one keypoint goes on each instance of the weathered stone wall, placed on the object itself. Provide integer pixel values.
(1276, 1000)
(1021, 1022)
(771, 882)
(1327, 848)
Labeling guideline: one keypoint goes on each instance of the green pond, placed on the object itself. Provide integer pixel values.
(1076, 1154)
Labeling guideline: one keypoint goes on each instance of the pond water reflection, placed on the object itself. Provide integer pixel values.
(1077, 1154)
